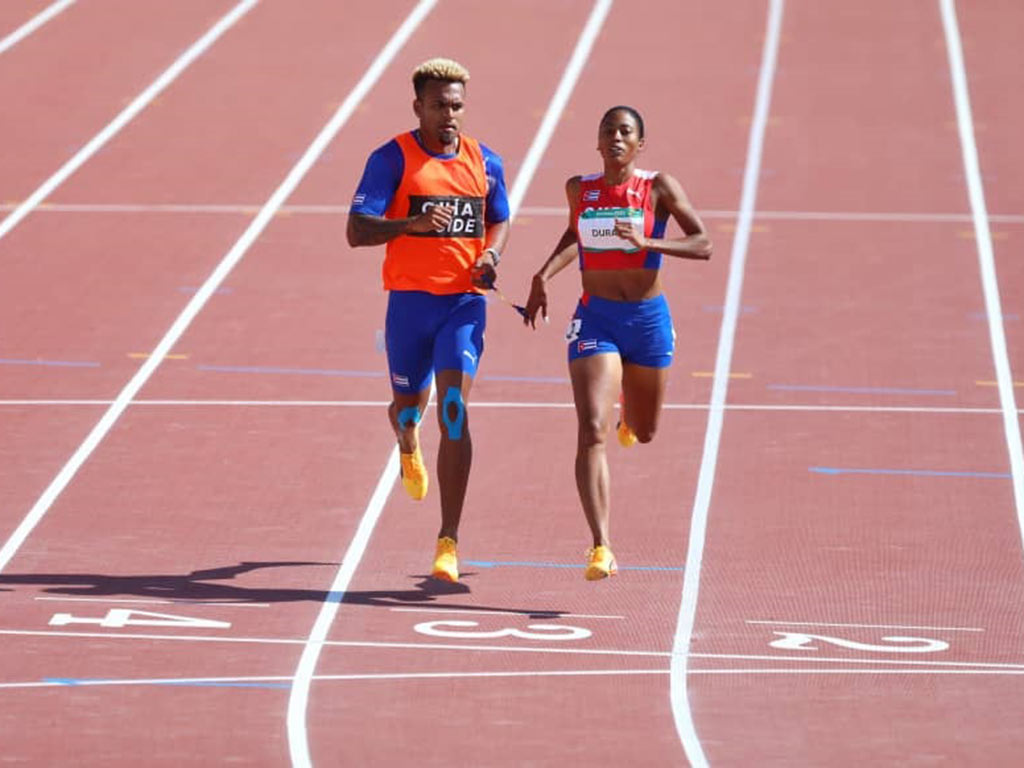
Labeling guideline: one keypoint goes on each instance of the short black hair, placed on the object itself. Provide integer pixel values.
(631, 111)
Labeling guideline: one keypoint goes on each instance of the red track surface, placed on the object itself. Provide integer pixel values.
(229, 491)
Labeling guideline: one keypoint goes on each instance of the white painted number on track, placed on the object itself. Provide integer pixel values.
(541, 631)
(118, 618)
(798, 641)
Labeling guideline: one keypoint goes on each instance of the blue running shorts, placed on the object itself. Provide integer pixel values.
(425, 332)
(640, 332)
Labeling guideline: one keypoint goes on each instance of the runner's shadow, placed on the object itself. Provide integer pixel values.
(204, 585)
(209, 585)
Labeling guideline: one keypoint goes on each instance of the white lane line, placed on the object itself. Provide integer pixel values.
(986, 256)
(126, 395)
(681, 712)
(526, 210)
(298, 697)
(297, 702)
(542, 614)
(33, 24)
(499, 404)
(865, 626)
(255, 681)
(506, 649)
(127, 114)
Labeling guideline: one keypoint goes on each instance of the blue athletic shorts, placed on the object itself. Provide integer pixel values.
(640, 332)
(425, 332)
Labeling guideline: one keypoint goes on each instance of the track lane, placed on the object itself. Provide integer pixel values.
(506, 702)
(94, 78)
(884, 538)
(126, 562)
(14, 15)
(639, 481)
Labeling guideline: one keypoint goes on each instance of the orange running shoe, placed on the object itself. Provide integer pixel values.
(446, 562)
(600, 564)
(627, 437)
(414, 474)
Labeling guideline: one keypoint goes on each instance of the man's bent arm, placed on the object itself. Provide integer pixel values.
(374, 230)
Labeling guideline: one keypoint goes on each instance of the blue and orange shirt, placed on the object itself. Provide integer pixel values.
(599, 205)
(403, 179)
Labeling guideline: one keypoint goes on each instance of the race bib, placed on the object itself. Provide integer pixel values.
(597, 228)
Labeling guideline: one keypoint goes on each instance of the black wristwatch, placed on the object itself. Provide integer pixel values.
(495, 256)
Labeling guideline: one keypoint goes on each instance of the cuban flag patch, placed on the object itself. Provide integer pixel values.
(586, 345)
(591, 195)
(401, 381)
(359, 199)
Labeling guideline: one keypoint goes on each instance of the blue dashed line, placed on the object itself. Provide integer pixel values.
(54, 363)
(530, 379)
(291, 371)
(529, 564)
(861, 390)
(71, 682)
(917, 472)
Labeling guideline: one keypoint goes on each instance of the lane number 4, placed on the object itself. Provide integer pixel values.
(118, 618)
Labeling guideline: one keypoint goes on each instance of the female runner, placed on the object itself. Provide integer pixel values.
(620, 338)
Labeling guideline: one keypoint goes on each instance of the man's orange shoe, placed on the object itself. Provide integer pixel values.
(446, 562)
(414, 474)
(600, 564)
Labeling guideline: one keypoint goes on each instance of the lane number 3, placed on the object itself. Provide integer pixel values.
(462, 629)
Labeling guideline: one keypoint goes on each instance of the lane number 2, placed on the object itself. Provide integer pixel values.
(799, 641)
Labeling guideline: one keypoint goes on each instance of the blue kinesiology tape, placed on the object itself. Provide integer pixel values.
(408, 416)
(453, 401)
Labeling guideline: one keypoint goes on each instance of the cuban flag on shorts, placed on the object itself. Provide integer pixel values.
(586, 345)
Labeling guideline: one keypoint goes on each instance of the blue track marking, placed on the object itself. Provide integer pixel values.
(529, 564)
(530, 379)
(291, 371)
(55, 363)
(861, 390)
(917, 472)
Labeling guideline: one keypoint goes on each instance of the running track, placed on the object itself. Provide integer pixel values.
(202, 560)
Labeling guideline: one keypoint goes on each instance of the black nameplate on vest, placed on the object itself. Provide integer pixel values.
(467, 219)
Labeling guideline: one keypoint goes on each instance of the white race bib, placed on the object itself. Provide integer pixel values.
(597, 228)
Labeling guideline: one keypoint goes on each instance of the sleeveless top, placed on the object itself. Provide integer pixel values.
(437, 262)
(599, 205)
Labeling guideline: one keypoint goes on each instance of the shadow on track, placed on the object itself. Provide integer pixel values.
(208, 585)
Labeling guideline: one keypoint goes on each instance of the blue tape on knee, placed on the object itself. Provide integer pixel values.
(454, 426)
(407, 416)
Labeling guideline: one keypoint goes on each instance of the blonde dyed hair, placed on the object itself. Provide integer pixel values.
(445, 70)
